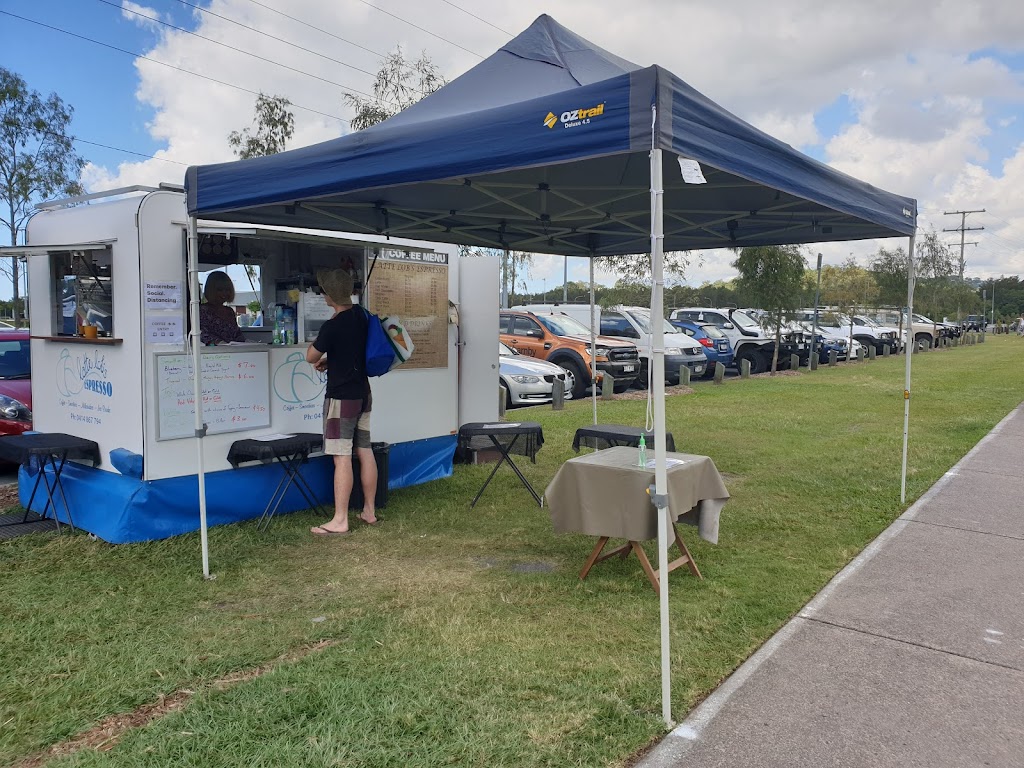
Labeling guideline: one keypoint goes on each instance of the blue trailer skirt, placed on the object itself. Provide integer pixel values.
(121, 509)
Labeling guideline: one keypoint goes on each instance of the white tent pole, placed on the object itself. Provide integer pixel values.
(908, 353)
(593, 346)
(504, 279)
(660, 497)
(197, 383)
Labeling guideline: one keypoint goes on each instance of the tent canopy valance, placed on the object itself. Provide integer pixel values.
(544, 147)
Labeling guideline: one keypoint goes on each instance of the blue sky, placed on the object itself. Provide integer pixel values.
(932, 111)
(100, 83)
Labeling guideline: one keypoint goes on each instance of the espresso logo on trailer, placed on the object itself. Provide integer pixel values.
(85, 372)
(572, 118)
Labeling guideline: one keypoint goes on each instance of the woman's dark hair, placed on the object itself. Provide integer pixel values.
(219, 283)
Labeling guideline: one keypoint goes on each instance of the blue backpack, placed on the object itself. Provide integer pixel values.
(380, 353)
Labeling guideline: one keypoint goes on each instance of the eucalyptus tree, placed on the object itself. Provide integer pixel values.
(773, 277)
(273, 126)
(37, 158)
(399, 84)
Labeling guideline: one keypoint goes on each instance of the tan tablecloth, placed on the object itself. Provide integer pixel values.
(605, 494)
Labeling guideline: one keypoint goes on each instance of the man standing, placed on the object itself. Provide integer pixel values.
(340, 349)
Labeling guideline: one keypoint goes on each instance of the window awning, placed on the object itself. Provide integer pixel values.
(31, 250)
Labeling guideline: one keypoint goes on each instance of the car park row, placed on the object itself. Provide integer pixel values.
(696, 338)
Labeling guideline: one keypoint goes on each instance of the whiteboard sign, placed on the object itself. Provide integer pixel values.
(236, 393)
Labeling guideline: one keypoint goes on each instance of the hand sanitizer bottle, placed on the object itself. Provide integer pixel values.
(643, 453)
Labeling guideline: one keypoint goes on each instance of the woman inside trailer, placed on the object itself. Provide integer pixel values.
(217, 322)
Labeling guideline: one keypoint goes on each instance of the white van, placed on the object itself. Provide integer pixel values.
(634, 323)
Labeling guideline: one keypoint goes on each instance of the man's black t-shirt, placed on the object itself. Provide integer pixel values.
(343, 340)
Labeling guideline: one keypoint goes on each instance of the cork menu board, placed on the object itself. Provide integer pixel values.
(414, 286)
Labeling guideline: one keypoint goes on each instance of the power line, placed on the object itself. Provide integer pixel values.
(281, 39)
(421, 29)
(165, 64)
(127, 151)
(246, 53)
(478, 18)
(297, 20)
(1006, 242)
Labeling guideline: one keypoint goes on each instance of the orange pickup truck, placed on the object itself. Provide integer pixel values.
(561, 340)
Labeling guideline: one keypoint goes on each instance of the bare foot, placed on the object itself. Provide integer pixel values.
(328, 530)
(370, 518)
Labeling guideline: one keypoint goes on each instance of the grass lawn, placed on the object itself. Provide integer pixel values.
(463, 637)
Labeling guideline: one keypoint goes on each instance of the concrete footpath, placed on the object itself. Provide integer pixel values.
(913, 655)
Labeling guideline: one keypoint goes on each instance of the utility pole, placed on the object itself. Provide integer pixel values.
(961, 229)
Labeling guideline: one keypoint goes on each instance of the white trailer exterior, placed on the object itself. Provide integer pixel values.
(127, 390)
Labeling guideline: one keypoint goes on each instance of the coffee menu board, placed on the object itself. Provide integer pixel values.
(414, 286)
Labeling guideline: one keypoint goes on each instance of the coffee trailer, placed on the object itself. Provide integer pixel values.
(111, 357)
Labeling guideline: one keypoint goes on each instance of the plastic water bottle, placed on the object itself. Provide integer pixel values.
(642, 462)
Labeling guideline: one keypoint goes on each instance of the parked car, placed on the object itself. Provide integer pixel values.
(749, 340)
(529, 381)
(927, 330)
(632, 324)
(865, 332)
(15, 383)
(635, 323)
(881, 336)
(746, 337)
(561, 340)
(831, 338)
(794, 338)
(716, 344)
(975, 323)
(827, 342)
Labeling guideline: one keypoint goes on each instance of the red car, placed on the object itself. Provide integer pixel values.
(15, 383)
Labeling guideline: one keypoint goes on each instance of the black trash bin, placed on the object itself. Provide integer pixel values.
(380, 453)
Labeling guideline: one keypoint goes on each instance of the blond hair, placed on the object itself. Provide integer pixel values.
(337, 284)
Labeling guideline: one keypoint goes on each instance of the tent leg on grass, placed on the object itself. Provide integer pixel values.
(657, 390)
(593, 347)
(908, 353)
(197, 384)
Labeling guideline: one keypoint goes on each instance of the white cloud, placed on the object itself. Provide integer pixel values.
(142, 15)
(796, 130)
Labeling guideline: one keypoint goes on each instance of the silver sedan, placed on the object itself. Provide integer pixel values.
(529, 381)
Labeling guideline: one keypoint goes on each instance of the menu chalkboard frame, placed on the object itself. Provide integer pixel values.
(261, 374)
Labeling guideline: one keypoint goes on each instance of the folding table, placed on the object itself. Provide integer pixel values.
(523, 438)
(291, 452)
(605, 494)
(601, 436)
(53, 449)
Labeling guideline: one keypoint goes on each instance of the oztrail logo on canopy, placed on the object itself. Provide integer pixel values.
(574, 117)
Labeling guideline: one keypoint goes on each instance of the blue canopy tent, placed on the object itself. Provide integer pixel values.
(554, 145)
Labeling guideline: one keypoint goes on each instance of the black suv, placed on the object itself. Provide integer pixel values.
(975, 323)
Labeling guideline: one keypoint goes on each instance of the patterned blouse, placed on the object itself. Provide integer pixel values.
(217, 324)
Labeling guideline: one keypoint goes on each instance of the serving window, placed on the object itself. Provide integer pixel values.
(81, 287)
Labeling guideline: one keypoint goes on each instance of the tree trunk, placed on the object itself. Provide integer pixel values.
(512, 286)
(778, 341)
(14, 270)
(14, 296)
